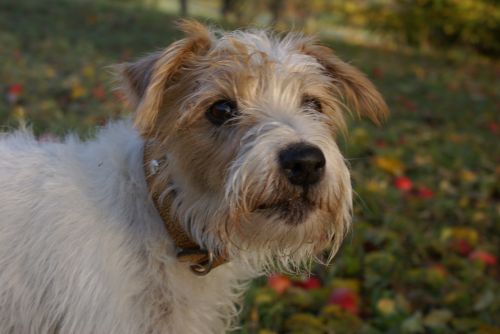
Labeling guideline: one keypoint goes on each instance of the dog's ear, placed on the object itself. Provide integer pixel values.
(356, 91)
(146, 80)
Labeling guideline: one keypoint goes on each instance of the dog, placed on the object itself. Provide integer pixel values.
(228, 169)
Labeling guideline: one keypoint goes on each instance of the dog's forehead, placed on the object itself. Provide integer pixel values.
(262, 47)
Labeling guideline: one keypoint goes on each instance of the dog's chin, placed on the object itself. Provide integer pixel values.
(290, 211)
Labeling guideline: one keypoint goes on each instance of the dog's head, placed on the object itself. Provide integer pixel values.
(247, 121)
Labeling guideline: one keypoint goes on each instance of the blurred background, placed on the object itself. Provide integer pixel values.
(423, 254)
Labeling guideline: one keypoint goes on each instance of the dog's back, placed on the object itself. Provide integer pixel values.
(57, 230)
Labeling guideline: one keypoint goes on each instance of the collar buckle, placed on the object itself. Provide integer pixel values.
(201, 259)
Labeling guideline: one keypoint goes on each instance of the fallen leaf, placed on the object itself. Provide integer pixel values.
(386, 306)
(279, 283)
(413, 324)
(309, 284)
(346, 299)
(78, 91)
(390, 165)
(99, 92)
(485, 300)
(483, 257)
(460, 233)
(403, 183)
(13, 93)
(424, 192)
(437, 319)
(377, 73)
(88, 71)
(461, 246)
(19, 113)
(468, 176)
(493, 127)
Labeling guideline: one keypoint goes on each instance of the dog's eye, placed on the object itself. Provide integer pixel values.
(313, 103)
(221, 111)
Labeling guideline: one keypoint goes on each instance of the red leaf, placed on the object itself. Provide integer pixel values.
(377, 72)
(99, 92)
(410, 105)
(439, 268)
(279, 283)
(16, 89)
(424, 192)
(493, 127)
(14, 92)
(346, 299)
(310, 283)
(484, 257)
(461, 246)
(403, 183)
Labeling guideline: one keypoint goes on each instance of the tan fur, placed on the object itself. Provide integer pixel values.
(149, 76)
(354, 88)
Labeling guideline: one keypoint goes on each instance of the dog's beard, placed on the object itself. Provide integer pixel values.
(275, 222)
(289, 230)
(280, 232)
(292, 210)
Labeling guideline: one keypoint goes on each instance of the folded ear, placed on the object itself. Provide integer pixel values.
(146, 80)
(356, 91)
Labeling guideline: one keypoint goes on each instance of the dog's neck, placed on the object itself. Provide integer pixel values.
(202, 261)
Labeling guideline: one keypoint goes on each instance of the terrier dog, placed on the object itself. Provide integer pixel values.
(228, 169)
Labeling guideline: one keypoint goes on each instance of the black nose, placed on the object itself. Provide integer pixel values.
(303, 164)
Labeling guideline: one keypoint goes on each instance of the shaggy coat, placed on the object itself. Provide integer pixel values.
(82, 247)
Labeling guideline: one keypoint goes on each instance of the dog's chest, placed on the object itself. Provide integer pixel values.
(182, 302)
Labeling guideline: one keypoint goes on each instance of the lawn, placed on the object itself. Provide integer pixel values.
(423, 253)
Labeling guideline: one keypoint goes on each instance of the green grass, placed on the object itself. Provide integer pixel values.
(408, 263)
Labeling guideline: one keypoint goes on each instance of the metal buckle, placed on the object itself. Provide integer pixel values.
(204, 267)
(200, 267)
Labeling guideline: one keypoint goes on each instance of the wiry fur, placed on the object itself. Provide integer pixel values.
(82, 248)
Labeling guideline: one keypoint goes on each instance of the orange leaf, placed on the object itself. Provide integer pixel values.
(390, 165)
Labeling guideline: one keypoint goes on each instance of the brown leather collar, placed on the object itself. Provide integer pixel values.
(202, 261)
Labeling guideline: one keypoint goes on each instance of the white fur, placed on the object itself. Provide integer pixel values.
(82, 249)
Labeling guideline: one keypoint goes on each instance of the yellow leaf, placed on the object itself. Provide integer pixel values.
(50, 72)
(351, 284)
(373, 186)
(478, 216)
(455, 138)
(438, 318)
(422, 160)
(464, 202)
(386, 306)
(468, 176)
(460, 233)
(264, 296)
(402, 303)
(77, 91)
(19, 113)
(390, 165)
(445, 186)
(419, 72)
(88, 71)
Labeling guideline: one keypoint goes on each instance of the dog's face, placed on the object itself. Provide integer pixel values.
(248, 122)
